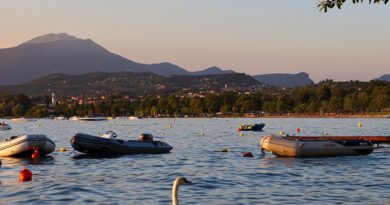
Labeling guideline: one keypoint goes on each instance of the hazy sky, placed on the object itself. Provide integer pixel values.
(252, 36)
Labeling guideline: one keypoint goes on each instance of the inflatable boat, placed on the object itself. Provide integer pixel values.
(25, 145)
(251, 127)
(4, 126)
(286, 146)
(109, 145)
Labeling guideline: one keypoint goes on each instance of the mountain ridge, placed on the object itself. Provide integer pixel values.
(52, 53)
(129, 83)
(64, 53)
(50, 38)
(285, 79)
(385, 77)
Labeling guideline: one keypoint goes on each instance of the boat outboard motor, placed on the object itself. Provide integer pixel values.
(110, 135)
(146, 137)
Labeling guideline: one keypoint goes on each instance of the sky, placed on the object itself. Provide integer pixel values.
(251, 36)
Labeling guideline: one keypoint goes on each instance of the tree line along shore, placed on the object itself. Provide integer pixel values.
(325, 99)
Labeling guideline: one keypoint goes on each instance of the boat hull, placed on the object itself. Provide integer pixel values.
(25, 145)
(251, 127)
(92, 119)
(287, 147)
(95, 145)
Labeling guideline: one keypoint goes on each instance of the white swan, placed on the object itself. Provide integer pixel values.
(178, 181)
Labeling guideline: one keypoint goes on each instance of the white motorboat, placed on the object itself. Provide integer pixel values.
(121, 118)
(92, 118)
(109, 145)
(25, 145)
(286, 146)
(74, 118)
(134, 118)
(4, 126)
(22, 119)
(60, 118)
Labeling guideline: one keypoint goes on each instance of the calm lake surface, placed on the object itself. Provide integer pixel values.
(218, 178)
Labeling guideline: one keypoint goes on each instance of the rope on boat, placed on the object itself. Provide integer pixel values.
(72, 152)
(36, 144)
(262, 152)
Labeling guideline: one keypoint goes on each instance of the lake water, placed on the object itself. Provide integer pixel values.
(218, 177)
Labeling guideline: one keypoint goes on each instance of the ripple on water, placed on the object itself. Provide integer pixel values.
(218, 177)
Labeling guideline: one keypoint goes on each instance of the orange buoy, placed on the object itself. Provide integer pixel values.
(35, 155)
(247, 154)
(25, 175)
(298, 130)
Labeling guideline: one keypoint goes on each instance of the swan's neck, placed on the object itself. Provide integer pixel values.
(175, 200)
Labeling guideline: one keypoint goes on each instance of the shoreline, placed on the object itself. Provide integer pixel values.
(379, 116)
(327, 116)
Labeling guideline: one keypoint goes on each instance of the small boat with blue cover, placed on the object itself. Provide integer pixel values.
(109, 145)
(251, 127)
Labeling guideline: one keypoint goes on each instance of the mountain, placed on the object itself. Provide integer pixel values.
(285, 79)
(129, 83)
(59, 53)
(50, 38)
(211, 71)
(63, 53)
(167, 69)
(384, 77)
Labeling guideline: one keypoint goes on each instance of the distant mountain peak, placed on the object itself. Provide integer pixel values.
(213, 68)
(385, 77)
(165, 64)
(64, 53)
(50, 38)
